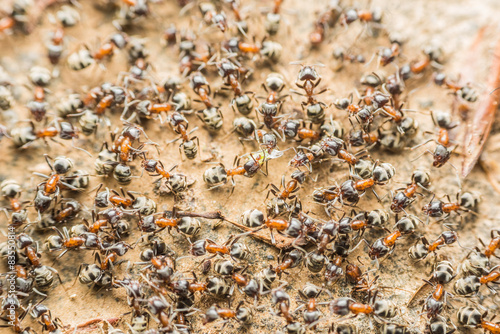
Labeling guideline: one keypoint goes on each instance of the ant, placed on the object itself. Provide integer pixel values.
(64, 241)
(334, 146)
(137, 7)
(31, 252)
(273, 18)
(111, 255)
(42, 273)
(363, 114)
(211, 116)
(42, 313)
(436, 301)
(471, 317)
(150, 110)
(180, 125)
(240, 22)
(305, 133)
(404, 198)
(241, 314)
(315, 260)
(372, 81)
(333, 270)
(113, 198)
(288, 189)
(437, 208)
(273, 85)
(354, 276)
(190, 58)
(174, 182)
(421, 250)
(471, 284)
(123, 143)
(162, 311)
(493, 245)
(156, 166)
(255, 218)
(203, 246)
(230, 76)
(384, 246)
(359, 223)
(68, 210)
(210, 16)
(103, 97)
(269, 49)
(342, 55)
(351, 15)
(106, 50)
(12, 308)
(302, 158)
(326, 19)
(379, 309)
(358, 138)
(51, 187)
(308, 79)
(11, 191)
(112, 216)
(441, 154)
(200, 86)
(350, 190)
(492, 277)
(282, 300)
(395, 115)
(25, 137)
(388, 55)
(288, 261)
(432, 53)
(466, 92)
(135, 294)
(163, 266)
(251, 287)
(185, 225)
(38, 106)
(311, 314)
(217, 176)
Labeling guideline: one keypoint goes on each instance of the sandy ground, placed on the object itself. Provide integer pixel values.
(454, 27)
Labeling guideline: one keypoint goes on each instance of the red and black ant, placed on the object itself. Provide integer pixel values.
(421, 250)
(404, 198)
(326, 20)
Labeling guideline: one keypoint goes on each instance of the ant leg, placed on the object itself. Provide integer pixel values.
(422, 144)
(273, 241)
(376, 195)
(420, 155)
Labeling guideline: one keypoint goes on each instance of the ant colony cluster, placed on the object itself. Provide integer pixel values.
(342, 212)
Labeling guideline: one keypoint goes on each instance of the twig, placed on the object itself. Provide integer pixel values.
(420, 294)
(207, 215)
(281, 241)
(480, 127)
(91, 322)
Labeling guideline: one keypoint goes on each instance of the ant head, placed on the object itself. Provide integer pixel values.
(299, 176)
(342, 104)
(308, 73)
(441, 156)
(132, 132)
(275, 82)
(149, 165)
